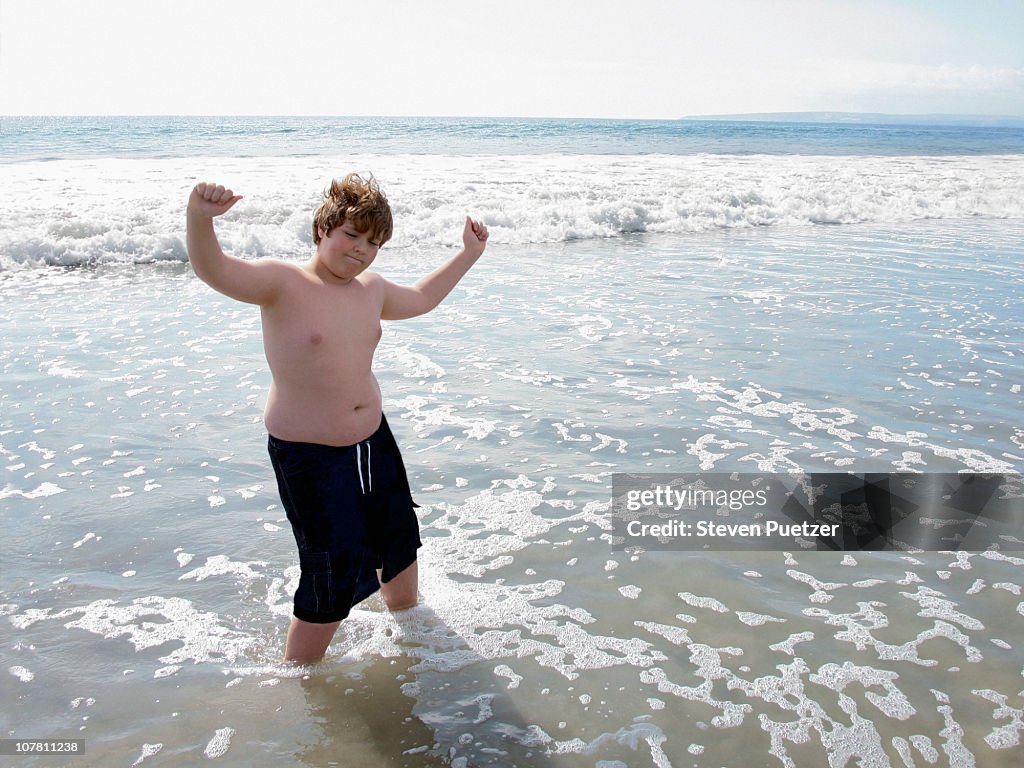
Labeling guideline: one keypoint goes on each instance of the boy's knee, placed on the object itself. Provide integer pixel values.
(402, 604)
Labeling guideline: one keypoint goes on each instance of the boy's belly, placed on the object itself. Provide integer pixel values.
(329, 416)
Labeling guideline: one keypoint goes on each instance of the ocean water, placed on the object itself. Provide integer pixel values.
(655, 298)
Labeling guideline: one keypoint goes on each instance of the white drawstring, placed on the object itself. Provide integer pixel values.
(359, 468)
(369, 467)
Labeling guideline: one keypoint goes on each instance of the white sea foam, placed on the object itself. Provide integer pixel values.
(220, 565)
(752, 619)
(632, 736)
(88, 537)
(595, 196)
(677, 635)
(787, 645)
(1005, 736)
(219, 745)
(184, 558)
(22, 674)
(41, 491)
(503, 670)
(698, 601)
(150, 622)
(148, 750)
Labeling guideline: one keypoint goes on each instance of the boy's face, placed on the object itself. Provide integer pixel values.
(346, 251)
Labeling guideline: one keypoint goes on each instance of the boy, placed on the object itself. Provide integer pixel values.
(339, 472)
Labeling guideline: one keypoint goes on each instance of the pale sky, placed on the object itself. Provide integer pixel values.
(516, 58)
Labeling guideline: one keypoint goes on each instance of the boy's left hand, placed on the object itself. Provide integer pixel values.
(474, 236)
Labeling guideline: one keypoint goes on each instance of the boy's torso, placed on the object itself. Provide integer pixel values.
(319, 340)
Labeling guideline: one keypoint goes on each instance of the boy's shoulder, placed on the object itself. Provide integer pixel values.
(374, 282)
(281, 272)
(370, 279)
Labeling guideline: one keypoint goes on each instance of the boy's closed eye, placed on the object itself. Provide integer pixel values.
(354, 235)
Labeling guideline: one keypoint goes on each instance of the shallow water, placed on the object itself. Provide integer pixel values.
(148, 567)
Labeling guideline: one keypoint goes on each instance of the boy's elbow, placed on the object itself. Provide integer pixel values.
(430, 304)
(214, 274)
(203, 270)
(202, 261)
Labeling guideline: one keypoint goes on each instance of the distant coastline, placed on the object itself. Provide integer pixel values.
(868, 118)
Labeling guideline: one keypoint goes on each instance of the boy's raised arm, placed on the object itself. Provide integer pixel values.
(401, 302)
(255, 282)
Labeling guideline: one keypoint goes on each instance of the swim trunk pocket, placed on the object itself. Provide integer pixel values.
(315, 593)
(395, 534)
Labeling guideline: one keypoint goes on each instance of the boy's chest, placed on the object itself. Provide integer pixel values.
(326, 323)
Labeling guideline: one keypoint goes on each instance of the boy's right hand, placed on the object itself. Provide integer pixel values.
(209, 200)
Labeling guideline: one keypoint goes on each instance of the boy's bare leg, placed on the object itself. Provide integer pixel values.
(307, 643)
(402, 591)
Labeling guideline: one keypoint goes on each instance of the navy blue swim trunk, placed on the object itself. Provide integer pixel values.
(352, 512)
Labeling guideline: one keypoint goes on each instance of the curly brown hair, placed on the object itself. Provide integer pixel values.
(357, 201)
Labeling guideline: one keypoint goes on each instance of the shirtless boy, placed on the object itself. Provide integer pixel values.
(339, 472)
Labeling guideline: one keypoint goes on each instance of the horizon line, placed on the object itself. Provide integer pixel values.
(796, 116)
